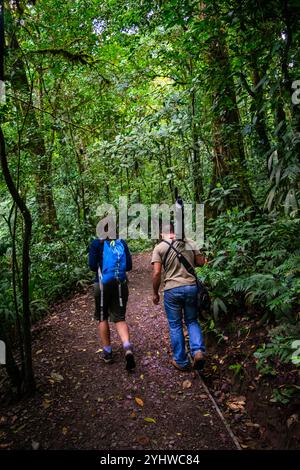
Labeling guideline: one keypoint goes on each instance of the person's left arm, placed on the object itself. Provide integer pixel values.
(200, 260)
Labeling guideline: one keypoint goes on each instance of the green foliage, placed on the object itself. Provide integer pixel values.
(273, 357)
(137, 98)
(210, 327)
(284, 394)
(279, 349)
(237, 369)
(57, 267)
(254, 259)
(7, 307)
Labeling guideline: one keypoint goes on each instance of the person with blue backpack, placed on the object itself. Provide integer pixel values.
(111, 259)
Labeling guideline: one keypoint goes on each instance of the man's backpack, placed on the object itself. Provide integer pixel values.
(203, 299)
(113, 262)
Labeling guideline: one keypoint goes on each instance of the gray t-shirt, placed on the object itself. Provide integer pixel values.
(175, 273)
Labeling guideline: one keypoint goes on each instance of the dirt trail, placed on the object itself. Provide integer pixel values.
(83, 403)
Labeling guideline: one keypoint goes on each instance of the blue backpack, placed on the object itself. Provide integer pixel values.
(113, 261)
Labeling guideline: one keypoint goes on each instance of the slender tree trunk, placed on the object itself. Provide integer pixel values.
(197, 167)
(29, 382)
(263, 144)
(44, 193)
(229, 153)
(28, 379)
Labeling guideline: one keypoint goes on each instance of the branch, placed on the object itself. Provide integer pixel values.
(50, 114)
(246, 85)
(82, 57)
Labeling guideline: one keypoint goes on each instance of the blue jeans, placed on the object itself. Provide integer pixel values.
(182, 302)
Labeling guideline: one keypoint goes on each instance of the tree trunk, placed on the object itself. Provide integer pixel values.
(29, 382)
(197, 167)
(229, 153)
(263, 145)
(44, 193)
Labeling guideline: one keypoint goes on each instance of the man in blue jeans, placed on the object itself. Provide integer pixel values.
(180, 297)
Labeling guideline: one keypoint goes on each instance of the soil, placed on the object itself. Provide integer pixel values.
(246, 396)
(82, 403)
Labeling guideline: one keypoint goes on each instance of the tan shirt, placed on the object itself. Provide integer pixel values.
(175, 273)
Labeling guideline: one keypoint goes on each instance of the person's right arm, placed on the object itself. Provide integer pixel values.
(156, 279)
(156, 262)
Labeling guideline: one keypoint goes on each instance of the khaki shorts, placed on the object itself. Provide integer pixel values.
(112, 309)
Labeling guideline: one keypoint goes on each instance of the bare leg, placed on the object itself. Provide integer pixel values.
(104, 333)
(123, 331)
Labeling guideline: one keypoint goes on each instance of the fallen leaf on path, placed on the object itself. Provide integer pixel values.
(55, 377)
(292, 420)
(20, 428)
(187, 384)
(64, 430)
(143, 440)
(35, 445)
(150, 420)
(139, 401)
(249, 424)
(5, 446)
(237, 404)
(46, 403)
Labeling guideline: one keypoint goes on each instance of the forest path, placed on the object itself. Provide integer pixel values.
(83, 403)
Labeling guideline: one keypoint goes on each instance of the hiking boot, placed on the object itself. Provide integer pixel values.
(129, 358)
(198, 360)
(107, 357)
(186, 368)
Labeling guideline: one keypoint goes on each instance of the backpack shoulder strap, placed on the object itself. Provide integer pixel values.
(164, 261)
(101, 249)
(190, 269)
